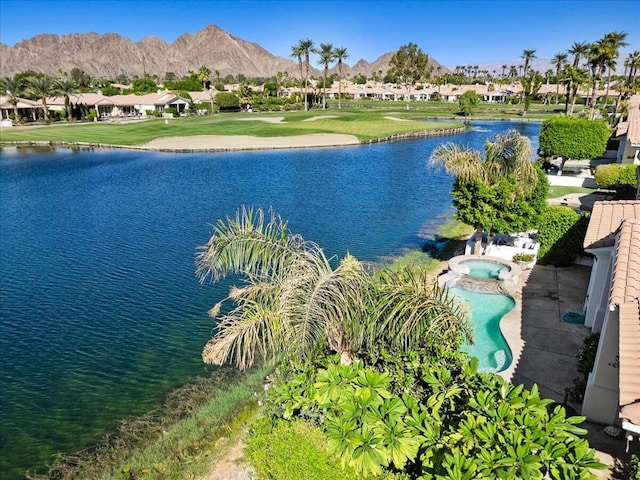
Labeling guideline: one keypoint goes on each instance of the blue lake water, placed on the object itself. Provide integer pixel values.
(101, 313)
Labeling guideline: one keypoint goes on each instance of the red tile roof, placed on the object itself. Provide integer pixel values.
(606, 218)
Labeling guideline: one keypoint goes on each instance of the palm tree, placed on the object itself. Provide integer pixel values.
(305, 46)
(296, 52)
(603, 51)
(559, 59)
(12, 87)
(504, 67)
(528, 55)
(574, 78)
(340, 54)
(41, 86)
(506, 155)
(294, 302)
(66, 88)
(327, 55)
(632, 62)
(579, 50)
(204, 76)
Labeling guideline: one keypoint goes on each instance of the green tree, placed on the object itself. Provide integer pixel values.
(297, 54)
(573, 138)
(559, 60)
(490, 193)
(227, 101)
(340, 55)
(601, 53)
(13, 87)
(579, 50)
(409, 65)
(143, 85)
(327, 56)
(469, 101)
(204, 76)
(80, 77)
(304, 49)
(41, 86)
(295, 302)
(574, 79)
(65, 88)
(531, 84)
(528, 55)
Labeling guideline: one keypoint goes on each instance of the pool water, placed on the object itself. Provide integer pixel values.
(487, 309)
(485, 268)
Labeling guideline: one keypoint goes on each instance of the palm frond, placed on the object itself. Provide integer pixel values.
(413, 311)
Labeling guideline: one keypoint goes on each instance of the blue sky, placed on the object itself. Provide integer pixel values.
(453, 32)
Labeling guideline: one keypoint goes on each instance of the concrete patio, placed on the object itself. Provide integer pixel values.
(544, 347)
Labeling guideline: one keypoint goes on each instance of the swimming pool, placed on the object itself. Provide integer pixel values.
(485, 268)
(487, 309)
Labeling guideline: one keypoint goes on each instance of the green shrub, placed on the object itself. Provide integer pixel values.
(172, 111)
(573, 138)
(292, 451)
(586, 360)
(634, 468)
(227, 101)
(622, 178)
(523, 257)
(432, 418)
(561, 234)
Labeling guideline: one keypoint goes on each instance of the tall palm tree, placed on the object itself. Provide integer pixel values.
(327, 56)
(559, 59)
(574, 79)
(340, 54)
(528, 55)
(41, 87)
(65, 88)
(305, 47)
(204, 76)
(578, 50)
(294, 302)
(506, 155)
(504, 67)
(603, 51)
(298, 54)
(12, 87)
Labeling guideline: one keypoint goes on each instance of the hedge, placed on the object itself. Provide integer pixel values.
(573, 138)
(561, 233)
(622, 178)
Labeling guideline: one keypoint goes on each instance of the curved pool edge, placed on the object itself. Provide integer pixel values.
(510, 352)
(511, 323)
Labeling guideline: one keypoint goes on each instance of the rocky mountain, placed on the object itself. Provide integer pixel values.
(110, 55)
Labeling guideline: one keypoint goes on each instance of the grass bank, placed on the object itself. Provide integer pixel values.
(364, 125)
(181, 439)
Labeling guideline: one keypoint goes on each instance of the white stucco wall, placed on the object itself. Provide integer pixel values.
(601, 398)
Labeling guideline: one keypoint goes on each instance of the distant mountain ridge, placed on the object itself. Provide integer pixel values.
(110, 55)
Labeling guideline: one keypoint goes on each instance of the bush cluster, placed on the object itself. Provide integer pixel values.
(561, 234)
(418, 417)
(622, 178)
(573, 138)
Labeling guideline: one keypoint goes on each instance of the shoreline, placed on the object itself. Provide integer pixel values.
(230, 143)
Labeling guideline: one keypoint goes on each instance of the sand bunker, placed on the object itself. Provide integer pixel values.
(263, 119)
(396, 119)
(321, 117)
(246, 142)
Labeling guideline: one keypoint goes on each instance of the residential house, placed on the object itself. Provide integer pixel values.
(613, 309)
(26, 108)
(628, 132)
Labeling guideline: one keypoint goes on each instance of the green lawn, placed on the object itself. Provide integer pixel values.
(364, 125)
(485, 111)
(559, 191)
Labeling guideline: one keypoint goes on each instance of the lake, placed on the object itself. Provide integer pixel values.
(101, 313)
